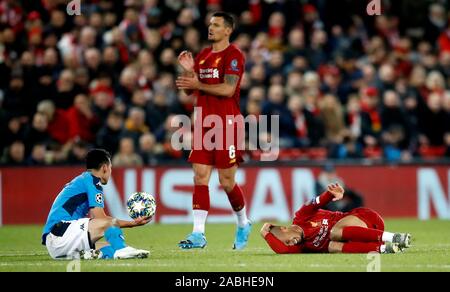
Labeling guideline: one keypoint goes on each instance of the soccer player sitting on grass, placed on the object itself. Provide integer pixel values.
(315, 230)
(68, 234)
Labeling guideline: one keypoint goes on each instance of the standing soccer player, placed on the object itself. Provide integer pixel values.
(215, 76)
(69, 234)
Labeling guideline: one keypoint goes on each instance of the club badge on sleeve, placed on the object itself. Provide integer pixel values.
(99, 198)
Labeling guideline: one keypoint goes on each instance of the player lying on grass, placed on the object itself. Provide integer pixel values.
(68, 234)
(315, 230)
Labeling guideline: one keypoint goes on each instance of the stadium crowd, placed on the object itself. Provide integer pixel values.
(345, 84)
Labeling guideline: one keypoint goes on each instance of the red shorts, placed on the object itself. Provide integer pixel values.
(225, 155)
(368, 216)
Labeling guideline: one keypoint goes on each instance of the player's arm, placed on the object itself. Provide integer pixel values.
(334, 192)
(99, 213)
(187, 62)
(225, 89)
(97, 204)
(275, 244)
(188, 75)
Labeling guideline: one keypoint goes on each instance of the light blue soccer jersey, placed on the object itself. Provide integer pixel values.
(74, 201)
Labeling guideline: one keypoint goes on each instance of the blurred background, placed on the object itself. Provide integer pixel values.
(346, 85)
(350, 89)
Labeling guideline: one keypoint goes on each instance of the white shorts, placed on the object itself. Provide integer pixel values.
(74, 240)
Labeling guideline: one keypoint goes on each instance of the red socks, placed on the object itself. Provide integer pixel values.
(236, 198)
(361, 247)
(361, 234)
(200, 199)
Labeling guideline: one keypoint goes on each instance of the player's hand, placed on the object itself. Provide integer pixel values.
(186, 61)
(142, 220)
(336, 190)
(188, 83)
(266, 229)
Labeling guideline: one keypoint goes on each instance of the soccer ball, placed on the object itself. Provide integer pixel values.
(141, 204)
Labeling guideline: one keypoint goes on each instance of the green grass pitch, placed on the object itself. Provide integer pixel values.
(20, 250)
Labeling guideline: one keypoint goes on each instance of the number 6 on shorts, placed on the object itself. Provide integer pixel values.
(232, 152)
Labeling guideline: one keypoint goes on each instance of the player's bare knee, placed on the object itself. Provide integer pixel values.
(227, 183)
(336, 234)
(200, 178)
(335, 247)
(105, 223)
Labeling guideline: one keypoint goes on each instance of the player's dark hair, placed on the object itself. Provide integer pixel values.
(96, 158)
(227, 18)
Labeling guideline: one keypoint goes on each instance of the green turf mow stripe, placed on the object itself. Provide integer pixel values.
(20, 250)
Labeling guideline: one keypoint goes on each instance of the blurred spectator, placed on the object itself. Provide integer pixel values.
(65, 93)
(358, 122)
(147, 144)
(332, 115)
(275, 105)
(12, 130)
(306, 130)
(36, 133)
(394, 122)
(447, 122)
(348, 149)
(386, 77)
(436, 22)
(126, 157)
(57, 121)
(157, 111)
(78, 153)
(82, 121)
(294, 83)
(332, 84)
(14, 154)
(351, 199)
(369, 106)
(296, 45)
(16, 98)
(128, 81)
(312, 62)
(37, 156)
(135, 124)
(444, 39)
(3, 119)
(433, 122)
(108, 137)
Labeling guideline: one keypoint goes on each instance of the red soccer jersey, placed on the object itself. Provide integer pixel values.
(316, 224)
(211, 68)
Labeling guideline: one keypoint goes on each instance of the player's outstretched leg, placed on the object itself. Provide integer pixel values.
(117, 248)
(353, 229)
(363, 247)
(361, 234)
